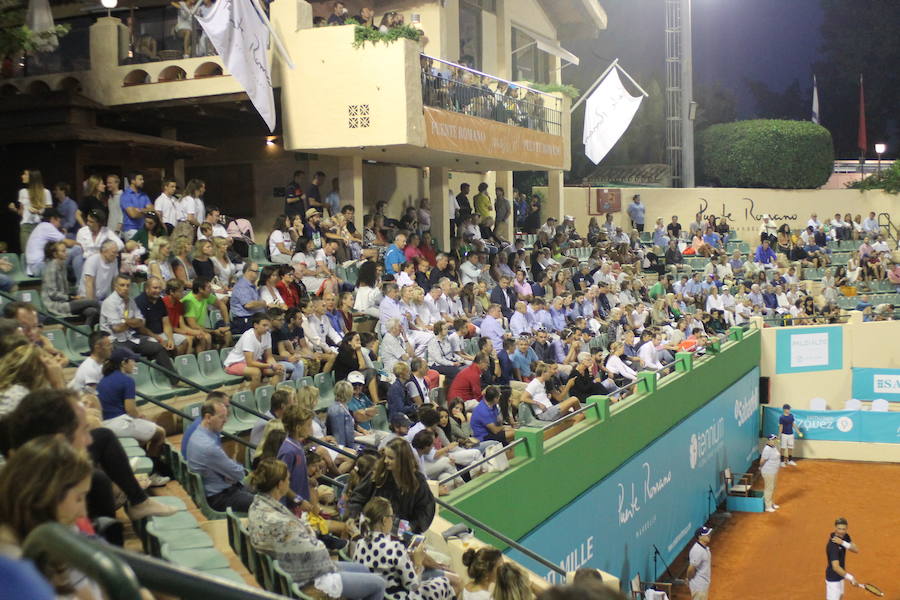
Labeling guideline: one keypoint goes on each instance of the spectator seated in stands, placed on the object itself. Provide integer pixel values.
(252, 355)
(98, 273)
(116, 391)
(245, 301)
(122, 319)
(279, 401)
(48, 230)
(467, 385)
(276, 531)
(536, 396)
(399, 399)
(196, 313)
(485, 421)
(55, 288)
(90, 372)
(221, 475)
(156, 317)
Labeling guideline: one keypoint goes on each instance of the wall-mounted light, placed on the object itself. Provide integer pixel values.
(109, 5)
(270, 140)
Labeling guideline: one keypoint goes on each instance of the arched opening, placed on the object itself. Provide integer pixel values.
(137, 77)
(70, 84)
(172, 73)
(208, 69)
(38, 88)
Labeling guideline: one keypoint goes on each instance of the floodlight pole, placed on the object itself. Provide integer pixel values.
(687, 96)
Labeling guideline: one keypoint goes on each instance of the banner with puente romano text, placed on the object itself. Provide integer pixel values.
(474, 136)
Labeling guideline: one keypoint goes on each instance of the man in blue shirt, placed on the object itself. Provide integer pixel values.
(135, 203)
(394, 257)
(221, 476)
(636, 213)
(786, 429)
(245, 300)
(765, 255)
(492, 329)
(211, 397)
(523, 358)
(486, 419)
(504, 357)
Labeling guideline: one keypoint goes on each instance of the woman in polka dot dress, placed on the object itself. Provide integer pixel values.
(388, 557)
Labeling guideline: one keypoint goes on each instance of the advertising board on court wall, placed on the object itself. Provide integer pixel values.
(659, 497)
(840, 425)
(806, 349)
(871, 384)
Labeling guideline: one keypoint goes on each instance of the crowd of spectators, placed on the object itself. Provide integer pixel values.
(460, 345)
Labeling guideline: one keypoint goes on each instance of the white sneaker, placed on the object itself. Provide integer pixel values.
(157, 480)
(775, 506)
(783, 465)
(792, 463)
(770, 509)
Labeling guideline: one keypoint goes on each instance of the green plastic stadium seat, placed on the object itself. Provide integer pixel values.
(257, 254)
(325, 383)
(161, 382)
(226, 574)
(212, 370)
(145, 384)
(187, 366)
(201, 559)
(141, 464)
(304, 381)
(263, 398)
(18, 270)
(32, 297)
(176, 539)
(59, 340)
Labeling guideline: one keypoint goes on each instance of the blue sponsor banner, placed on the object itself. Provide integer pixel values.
(870, 384)
(806, 349)
(840, 425)
(658, 497)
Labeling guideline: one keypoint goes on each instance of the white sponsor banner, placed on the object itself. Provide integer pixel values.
(240, 36)
(809, 350)
(886, 383)
(608, 112)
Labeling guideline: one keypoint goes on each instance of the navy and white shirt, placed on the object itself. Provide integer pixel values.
(787, 424)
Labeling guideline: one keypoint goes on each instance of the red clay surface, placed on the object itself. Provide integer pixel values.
(781, 555)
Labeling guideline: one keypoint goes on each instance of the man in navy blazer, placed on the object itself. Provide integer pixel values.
(504, 295)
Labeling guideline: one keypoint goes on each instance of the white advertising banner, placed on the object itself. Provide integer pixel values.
(240, 36)
(608, 113)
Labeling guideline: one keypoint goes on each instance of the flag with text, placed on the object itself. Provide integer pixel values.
(608, 113)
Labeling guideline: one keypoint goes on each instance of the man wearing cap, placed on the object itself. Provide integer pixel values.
(699, 572)
(769, 463)
(786, 429)
(636, 212)
(311, 229)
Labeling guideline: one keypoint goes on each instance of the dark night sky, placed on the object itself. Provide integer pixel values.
(774, 41)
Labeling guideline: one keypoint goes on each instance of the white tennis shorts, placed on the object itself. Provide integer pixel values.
(125, 426)
(834, 590)
(787, 440)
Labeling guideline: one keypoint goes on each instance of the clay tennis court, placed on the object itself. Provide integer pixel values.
(781, 556)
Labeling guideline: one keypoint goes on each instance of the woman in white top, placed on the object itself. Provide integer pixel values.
(407, 275)
(158, 262)
(226, 271)
(535, 394)
(280, 241)
(853, 269)
(268, 292)
(91, 236)
(33, 199)
(184, 24)
(368, 295)
(191, 204)
(481, 567)
(305, 265)
(616, 366)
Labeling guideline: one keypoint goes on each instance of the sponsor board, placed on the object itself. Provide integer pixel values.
(871, 384)
(659, 496)
(809, 349)
(840, 425)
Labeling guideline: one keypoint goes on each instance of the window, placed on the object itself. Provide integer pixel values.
(528, 63)
(470, 35)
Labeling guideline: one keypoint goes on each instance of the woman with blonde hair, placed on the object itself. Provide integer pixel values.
(182, 267)
(511, 583)
(25, 367)
(308, 398)
(33, 199)
(202, 259)
(94, 196)
(226, 271)
(47, 480)
(158, 260)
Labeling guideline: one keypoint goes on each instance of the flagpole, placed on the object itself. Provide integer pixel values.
(631, 79)
(594, 85)
(279, 47)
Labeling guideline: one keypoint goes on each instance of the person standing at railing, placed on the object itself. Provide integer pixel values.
(135, 203)
(636, 212)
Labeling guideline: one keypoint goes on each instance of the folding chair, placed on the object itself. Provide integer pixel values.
(737, 487)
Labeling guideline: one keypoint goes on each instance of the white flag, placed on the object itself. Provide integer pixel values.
(815, 107)
(608, 112)
(239, 35)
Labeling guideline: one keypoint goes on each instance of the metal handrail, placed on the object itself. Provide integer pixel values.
(122, 573)
(58, 542)
(481, 461)
(482, 74)
(506, 540)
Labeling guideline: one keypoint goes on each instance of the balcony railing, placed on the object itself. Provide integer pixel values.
(156, 33)
(456, 88)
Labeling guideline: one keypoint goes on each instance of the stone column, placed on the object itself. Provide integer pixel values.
(350, 179)
(438, 190)
(554, 203)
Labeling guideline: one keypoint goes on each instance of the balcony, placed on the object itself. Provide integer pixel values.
(392, 104)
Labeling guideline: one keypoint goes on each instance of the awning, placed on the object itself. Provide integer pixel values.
(545, 44)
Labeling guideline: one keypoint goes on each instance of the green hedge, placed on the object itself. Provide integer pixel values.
(765, 153)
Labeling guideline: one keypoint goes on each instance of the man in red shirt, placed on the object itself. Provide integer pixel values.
(198, 339)
(467, 384)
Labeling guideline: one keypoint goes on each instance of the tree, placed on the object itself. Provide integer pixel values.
(859, 38)
(16, 37)
(715, 104)
(793, 103)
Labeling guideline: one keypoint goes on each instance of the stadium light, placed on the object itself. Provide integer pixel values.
(879, 150)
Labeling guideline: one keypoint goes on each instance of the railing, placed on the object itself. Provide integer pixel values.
(152, 37)
(885, 222)
(121, 573)
(452, 87)
(481, 461)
